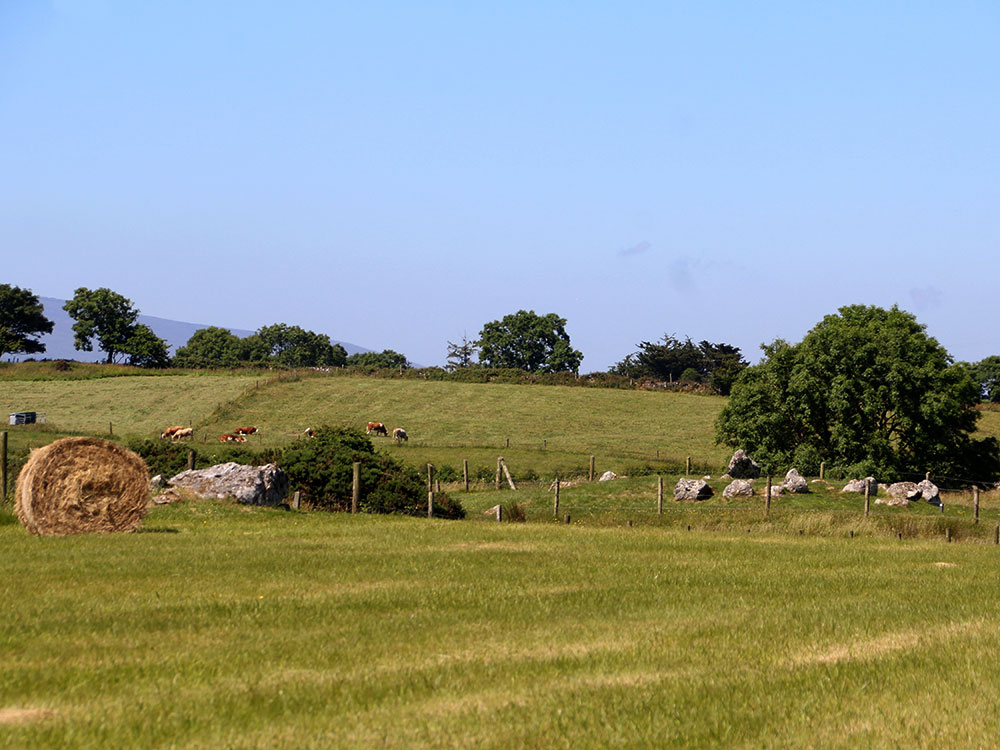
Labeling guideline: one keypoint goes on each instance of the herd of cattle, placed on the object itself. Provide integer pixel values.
(239, 435)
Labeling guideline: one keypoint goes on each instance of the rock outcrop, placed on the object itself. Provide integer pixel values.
(248, 485)
(692, 489)
(794, 483)
(741, 466)
(858, 485)
(738, 488)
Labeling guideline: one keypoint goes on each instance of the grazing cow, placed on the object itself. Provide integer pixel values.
(378, 428)
(230, 438)
(310, 432)
(169, 432)
(244, 430)
(183, 432)
(399, 435)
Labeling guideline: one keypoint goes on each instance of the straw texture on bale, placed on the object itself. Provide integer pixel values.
(82, 485)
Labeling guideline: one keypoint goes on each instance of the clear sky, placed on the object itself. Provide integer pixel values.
(398, 174)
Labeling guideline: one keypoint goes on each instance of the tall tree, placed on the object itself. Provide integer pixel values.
(671, 358)
(145, 349)
(460, 355)
(987, 373)
(527, 341)
(103, 315)
(867, 390)
(22, 320)
(209, 347)
(291, 346)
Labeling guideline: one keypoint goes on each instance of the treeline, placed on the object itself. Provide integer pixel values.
(520, 347)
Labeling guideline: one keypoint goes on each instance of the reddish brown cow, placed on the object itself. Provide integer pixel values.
(244, 430)
(230, 438)
(378, 428)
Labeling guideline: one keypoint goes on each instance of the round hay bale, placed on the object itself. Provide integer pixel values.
(82, 485)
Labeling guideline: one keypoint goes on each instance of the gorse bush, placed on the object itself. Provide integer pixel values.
(321, 468)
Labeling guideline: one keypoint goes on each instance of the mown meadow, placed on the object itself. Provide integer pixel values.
(713, 624)
(219, 626)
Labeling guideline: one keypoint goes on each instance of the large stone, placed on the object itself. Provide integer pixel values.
(692, 489)
(607, 476)
(741, 466)
(738, 488)
(858, 485)
(929, 491)
(794, 483)
(248, 485)
(901, 493)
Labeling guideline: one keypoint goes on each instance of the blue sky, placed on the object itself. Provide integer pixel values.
(398, 174)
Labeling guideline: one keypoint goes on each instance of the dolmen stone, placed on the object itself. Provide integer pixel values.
(248, 485)
(858, 485)
(741, 466)
(607, 476)
(794, 483)
(901, 493)
(738, 488)
(929, 491)
(692, 489)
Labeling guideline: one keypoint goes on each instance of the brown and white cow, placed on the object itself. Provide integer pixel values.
(378, 428)
(399, 435)
(183, 432)
(310, 432)
(244, 430)
(231, 438)
(169, 432)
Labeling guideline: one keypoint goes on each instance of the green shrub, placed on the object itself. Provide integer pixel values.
(447, 473)
(163, 457)
(321, 468)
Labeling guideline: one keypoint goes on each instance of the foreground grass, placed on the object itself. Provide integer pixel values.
(226, 627)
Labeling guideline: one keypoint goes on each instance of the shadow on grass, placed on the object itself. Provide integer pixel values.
(163, 530)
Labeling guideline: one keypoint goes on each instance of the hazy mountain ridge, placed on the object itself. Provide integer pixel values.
(59, 343)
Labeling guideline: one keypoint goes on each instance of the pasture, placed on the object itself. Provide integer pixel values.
(709, 625)
(220, 626)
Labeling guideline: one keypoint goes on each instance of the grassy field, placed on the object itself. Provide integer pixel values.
(709, 625)
(226, 627)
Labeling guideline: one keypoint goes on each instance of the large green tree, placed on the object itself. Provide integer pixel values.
(209, 347)
(866, 390)
(527, 341)
(717, 365)
(22, 320)
(987, 373)
(110, 318)
(291, 346)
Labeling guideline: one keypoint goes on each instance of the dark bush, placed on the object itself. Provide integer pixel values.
(321, 468)
(163, 457)
(447, 473)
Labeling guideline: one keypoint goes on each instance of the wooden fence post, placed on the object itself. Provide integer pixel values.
(430, 490)
(591, 468)
(111, 429)
(356, 487)
(499, 461)
(868, 491)
(659, 496)
(822, 469)
(3, 465)
(687, 466)
(975, 504)
(465, 473)
(767, 498)
(190, 460)
(499, 512)
(506, 471)
(555, 502)
(508, 442)
(296, 500)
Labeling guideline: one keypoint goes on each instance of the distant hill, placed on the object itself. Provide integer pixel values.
(59, 343)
